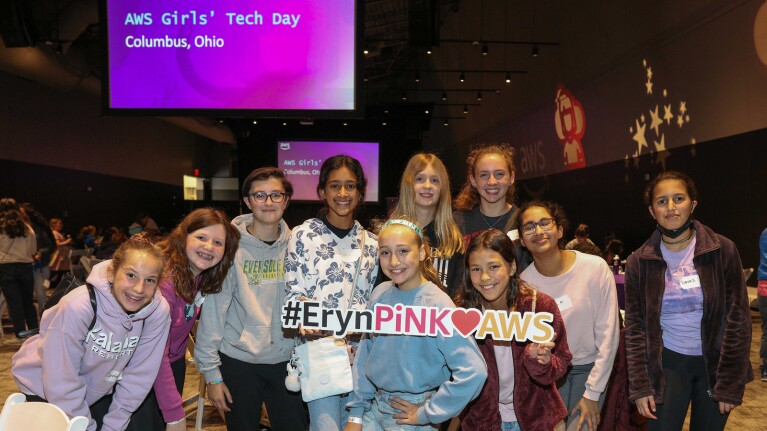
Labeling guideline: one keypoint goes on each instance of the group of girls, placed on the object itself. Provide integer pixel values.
(488, 255)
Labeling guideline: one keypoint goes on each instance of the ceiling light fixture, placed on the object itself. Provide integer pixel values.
(445, 123)
(465, 109)
(479, 96)
(417, 77)
(508, 77)
(535, 50)
(484, 49)
(444, 96)
(462, 77)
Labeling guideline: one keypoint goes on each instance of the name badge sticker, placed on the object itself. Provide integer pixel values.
(114, 376)
(564, 302)
(689, 282)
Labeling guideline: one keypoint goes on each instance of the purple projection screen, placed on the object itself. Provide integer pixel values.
(203, 55)
(302, 160)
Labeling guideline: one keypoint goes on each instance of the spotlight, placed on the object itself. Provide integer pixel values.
(428, 52)
(462, 77)
(255, 122)
(508, 77)
(444, 96)
(479, 96)
(404, 96)
(417, 77)
(465, 109)
(445, 123)
(484, 49)
(535, 51)
(365, 51)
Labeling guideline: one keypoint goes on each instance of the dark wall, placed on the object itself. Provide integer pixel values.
(729, 173)
(81, 198)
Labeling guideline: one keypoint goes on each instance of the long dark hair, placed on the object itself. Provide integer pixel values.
(499, 242)
(174, 249)
(12, 222)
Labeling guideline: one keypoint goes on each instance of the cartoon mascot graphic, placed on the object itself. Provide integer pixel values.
(570, 123)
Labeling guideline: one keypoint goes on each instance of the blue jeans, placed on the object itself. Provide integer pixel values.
(329, 413)
(379, 417)
(510, 426)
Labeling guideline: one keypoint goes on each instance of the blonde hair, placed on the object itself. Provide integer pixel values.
(469, 197)
(449, 239)
(425, 267)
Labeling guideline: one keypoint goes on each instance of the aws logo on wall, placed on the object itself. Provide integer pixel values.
(570, 123)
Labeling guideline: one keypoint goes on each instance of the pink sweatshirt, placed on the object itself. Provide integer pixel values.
(168, 398)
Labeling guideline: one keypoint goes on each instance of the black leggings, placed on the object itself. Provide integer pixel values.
(254, 384)
(686, 382)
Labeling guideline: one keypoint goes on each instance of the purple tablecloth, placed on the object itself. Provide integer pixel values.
(620, 279)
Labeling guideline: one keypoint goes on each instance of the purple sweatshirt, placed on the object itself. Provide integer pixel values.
(168, 398)
(73, 368)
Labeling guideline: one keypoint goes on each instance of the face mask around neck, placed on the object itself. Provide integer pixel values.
(674, 233)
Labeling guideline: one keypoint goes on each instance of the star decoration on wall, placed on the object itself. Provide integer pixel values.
(648, 84)
(682, 107)
(639, 137)
(655, 120)
(660, 146)
(667, 115)
(680, 121)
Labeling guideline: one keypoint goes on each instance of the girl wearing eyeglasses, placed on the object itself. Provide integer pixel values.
(241, 347)
(322, 257)
(584, 288)
(688, 324)
(486, 200)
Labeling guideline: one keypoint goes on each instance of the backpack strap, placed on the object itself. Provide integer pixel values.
(92, 295)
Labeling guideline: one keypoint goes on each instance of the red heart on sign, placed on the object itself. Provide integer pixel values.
(465, 321)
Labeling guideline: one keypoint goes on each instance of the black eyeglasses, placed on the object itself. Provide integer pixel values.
(276, 197)
(529, 228)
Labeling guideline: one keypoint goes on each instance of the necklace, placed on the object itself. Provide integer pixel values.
(491, 226)
(678, 241)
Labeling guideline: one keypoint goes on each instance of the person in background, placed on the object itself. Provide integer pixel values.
(148, 224)
(761, 275)
(613, 248)
(198, 254)
(581, 237)
(584, 288)
(18, 247)
(41, 270)
(60, 260)
(322, 256)
(86, 238)
(486, 200)
(521, 391)
(424, 196)
(688, 323)
(241, 347)
(105, 370)
(112, 240)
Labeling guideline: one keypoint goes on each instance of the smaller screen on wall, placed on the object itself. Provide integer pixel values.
(301, 161)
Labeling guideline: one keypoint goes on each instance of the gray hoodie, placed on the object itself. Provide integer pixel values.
(243, 320)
